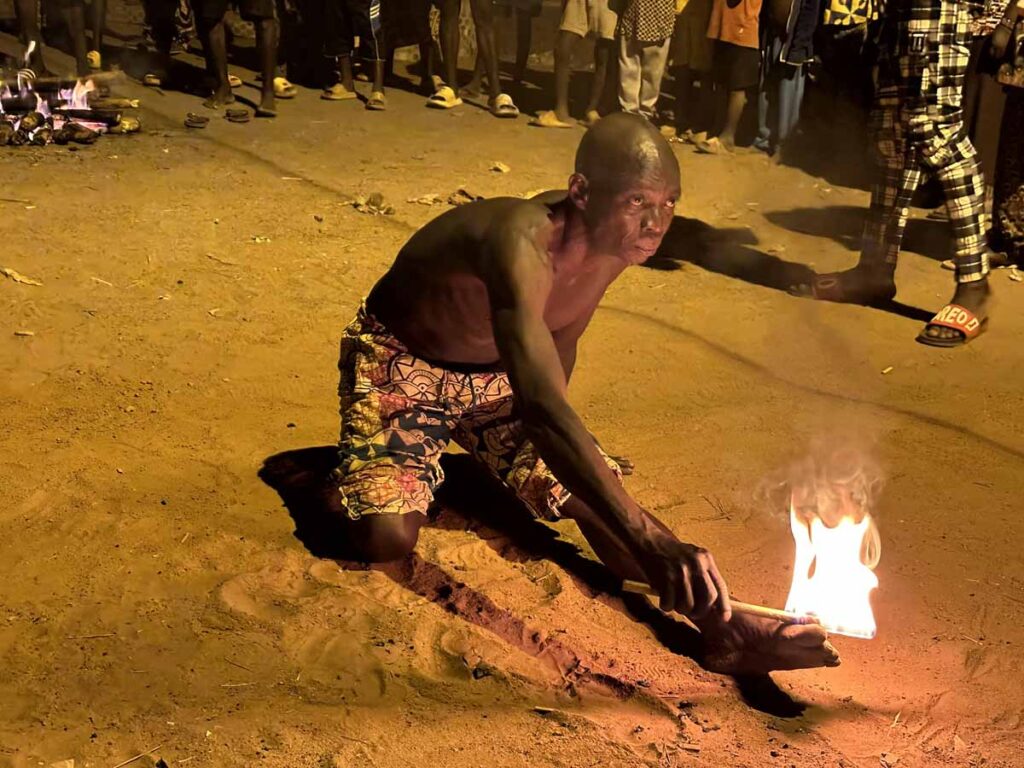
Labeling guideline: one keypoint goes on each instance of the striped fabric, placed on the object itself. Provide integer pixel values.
(919, 129)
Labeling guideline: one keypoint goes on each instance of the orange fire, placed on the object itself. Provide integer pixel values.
(833, 575)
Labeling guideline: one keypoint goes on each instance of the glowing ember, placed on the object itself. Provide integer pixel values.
(832, 573)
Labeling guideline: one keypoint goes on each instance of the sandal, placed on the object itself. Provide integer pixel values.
(283, 89)
(237, 115)
(152, 80)
(234, 81)
(377, 102)
(965, 322)
(94, 59)
(444, 98)
(712, 146)
(192, 120)
(337, 92)
(502, 106)
(549, 119)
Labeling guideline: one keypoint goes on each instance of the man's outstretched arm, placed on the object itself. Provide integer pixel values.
(519, 285)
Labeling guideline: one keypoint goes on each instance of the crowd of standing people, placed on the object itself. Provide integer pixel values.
(718, 60)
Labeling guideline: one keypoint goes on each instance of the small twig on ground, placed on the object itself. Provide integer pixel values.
(240, 666)
(353, 738)
(184, 538)
(101, 280)
(91, 637)
(15, 200)
(976, 642)
(236, 685)
(211, 257)
(138, 756)
(184, 760)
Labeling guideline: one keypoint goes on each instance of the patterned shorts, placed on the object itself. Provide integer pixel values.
(398, 414)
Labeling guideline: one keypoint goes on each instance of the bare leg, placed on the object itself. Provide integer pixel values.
(524, 39)
(737, 100)
(602, 55)
(99, 21)
(450, 41)
(215, 50)
(75, 19)
(266, 47)
(345, 72)
(28, 21)
(743, 645)
(563, 71)
(483, 17)
(429, 57)
(475, 84)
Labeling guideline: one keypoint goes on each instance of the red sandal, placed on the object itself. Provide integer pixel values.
(959, 319)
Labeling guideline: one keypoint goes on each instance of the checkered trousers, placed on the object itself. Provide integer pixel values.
(918, 127)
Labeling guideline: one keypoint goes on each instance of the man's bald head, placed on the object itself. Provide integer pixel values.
(623, 147)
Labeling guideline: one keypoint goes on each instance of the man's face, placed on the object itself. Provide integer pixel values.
(628, 216)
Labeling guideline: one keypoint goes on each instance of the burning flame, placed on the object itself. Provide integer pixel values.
(830, 578)
(77, 97)
(831, 494)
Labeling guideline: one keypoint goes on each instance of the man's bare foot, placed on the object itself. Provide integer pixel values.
(220, 97)
(974, 297)
(860, 285)
(751, 645)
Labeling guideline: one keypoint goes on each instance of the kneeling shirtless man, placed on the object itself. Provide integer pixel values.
(471, 336)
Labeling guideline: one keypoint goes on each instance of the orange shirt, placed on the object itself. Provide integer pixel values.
(735, 21)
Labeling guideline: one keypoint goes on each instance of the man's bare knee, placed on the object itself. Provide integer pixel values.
(380, 538)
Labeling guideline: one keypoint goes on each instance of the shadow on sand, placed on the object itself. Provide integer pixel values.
(470, 500)
(731, 252)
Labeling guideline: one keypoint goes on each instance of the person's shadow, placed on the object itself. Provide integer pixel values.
(471, 500)
(731, 252)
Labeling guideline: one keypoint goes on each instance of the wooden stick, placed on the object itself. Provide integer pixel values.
(641, 588)
(138, 756)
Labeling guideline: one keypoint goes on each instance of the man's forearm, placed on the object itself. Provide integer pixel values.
(572, 455)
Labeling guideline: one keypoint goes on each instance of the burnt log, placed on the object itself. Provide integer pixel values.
(75, 133)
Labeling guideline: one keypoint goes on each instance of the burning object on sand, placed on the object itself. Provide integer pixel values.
(837, 545)
(831, 497)
(38, 112)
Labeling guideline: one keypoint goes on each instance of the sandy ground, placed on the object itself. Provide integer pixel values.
(156, 594)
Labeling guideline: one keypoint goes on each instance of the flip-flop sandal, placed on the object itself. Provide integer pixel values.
(548, 119)
(152, 80)
(377, 101)
(590, 118)
(337, 92)
(94, 59)
(283, 89)
(502, 106)
(192, 120)
(711, 146)
(953, 316)
(234, 81)
(444, 98)
(237, 115)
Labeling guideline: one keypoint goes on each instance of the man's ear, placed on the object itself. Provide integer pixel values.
(579, 190)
